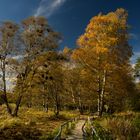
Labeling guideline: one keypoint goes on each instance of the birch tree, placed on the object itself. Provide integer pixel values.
(8, 31)
(104, 47)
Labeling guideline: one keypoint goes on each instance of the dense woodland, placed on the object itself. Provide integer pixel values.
(96, 77)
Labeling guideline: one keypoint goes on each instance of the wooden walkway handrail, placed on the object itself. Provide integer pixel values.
(58, 136)
(93, 130)
(83, 129)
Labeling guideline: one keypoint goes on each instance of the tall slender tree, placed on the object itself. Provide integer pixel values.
(103, 48)
(8, 31)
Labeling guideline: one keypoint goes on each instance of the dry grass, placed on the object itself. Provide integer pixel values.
(39, 123)
(123, 126)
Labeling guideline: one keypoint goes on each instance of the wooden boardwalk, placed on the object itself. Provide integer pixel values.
(77, 133)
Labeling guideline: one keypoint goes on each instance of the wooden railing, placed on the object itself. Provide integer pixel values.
(93, 130)
(84, 130)
(65, 125)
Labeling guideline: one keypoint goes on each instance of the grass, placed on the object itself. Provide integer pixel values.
(67, 130)
(121, 126)
(31, 124)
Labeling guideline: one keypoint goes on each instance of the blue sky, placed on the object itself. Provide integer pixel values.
(70, 17)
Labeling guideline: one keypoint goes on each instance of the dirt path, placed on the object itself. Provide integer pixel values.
(77, 133)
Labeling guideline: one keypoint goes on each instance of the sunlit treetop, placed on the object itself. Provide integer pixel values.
(106, 35)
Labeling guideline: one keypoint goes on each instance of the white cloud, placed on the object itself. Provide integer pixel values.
(133, 36)
(134, 57)
(48, 7)
(17, 57)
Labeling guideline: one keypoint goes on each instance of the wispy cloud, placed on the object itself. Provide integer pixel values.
(133, 36)
(17, 57)
(134, 57)
(48, 7)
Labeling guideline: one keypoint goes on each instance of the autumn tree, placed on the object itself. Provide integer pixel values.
(37, 38)
(76, 84)
(48, 80)
(8, 32)
(135, 99)
(72, 86)
(103, 48)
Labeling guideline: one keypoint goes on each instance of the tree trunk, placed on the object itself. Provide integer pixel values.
(45, 104)
(17, 106)
(4, 88)
(80, 104)
(101, 95)
(56, 110)
(29, 104)
(73, 97)
(45, 98)
(98, 109)
(4, 97)
(46, 107)
(57, 105)
(103, 91)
